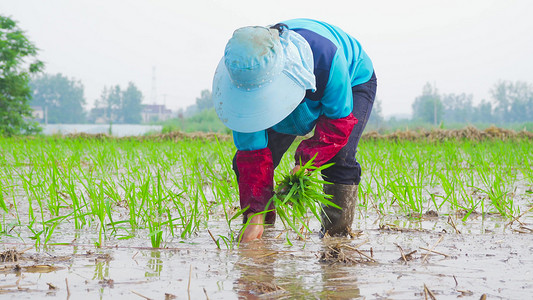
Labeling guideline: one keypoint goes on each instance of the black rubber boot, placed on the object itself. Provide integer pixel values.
(338, 222)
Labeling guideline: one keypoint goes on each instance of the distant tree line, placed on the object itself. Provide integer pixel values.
(60, 98)
(200, 116)
(62, 101)
(204, 102)
(512, 102)
(118, 106)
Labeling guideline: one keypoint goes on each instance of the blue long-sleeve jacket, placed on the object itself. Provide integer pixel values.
(339, 64)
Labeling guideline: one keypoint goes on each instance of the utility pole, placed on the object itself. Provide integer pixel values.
(164, 103)
(153, 95)
(435, 104)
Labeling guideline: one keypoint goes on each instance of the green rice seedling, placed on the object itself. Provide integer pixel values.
(405, 194)
(449, 185)
(2, 197)
(191, 182)
(36, 192)
(155, 213)
(200, 182)
(300, 193)
(77, 205)
(143, 193)
(525, 160)
(128, 186)
(189, 215)
(156, 233)
(112, 198)
(228, 241)
(95, 191)
(53, 189)
(181, 209)
(50, 226)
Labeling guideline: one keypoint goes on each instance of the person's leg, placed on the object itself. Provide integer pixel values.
(278, 143)
(345, 174)
(346, 169)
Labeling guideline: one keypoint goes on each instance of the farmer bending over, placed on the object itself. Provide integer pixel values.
(276, 83)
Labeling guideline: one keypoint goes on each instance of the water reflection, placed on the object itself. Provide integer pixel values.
(101, 270)
(268, 270)
(339, 281)
(256, 267)
(154, 265)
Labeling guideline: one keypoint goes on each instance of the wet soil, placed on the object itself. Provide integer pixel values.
(390, 258)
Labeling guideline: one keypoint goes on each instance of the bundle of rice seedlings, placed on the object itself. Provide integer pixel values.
(300, 193)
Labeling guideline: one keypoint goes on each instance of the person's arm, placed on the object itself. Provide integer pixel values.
(329, 138)
(255, 170)
(256, 179)
(334, 127)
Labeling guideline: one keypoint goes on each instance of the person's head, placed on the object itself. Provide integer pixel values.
(262, 77)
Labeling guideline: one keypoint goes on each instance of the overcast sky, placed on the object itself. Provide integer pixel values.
(461, 46)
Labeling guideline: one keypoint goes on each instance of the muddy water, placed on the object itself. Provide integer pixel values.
(486, 257)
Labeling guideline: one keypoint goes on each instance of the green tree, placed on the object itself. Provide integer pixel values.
(131, 107)
(62, 98)
(514, 101)
(458, 108)
(17, 62)
(118, 106)
(428, 107)
(204, 102)
(106, 108)
(482, 113)
(112, 103)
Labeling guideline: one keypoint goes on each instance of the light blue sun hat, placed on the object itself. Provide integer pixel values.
(262, 78)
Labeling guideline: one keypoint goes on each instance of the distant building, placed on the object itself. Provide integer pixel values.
(38, 113)
(155, 112)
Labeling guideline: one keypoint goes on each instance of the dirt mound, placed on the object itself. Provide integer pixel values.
(467, 133)
(171, 136)
(178, 136)
(83, 135)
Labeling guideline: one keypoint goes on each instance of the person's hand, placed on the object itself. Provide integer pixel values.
(255, 228)
(295, 169)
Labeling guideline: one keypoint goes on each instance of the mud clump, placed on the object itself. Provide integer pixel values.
(343, 254)
(393, 227)
(431, 214)
(335, 254)
(9, 256)
(262, 288)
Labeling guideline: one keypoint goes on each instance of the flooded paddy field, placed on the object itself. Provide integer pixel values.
(158, 219)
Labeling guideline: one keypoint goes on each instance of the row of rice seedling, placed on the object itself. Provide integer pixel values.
(413, 177)
(113, 187)
(166, 190)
